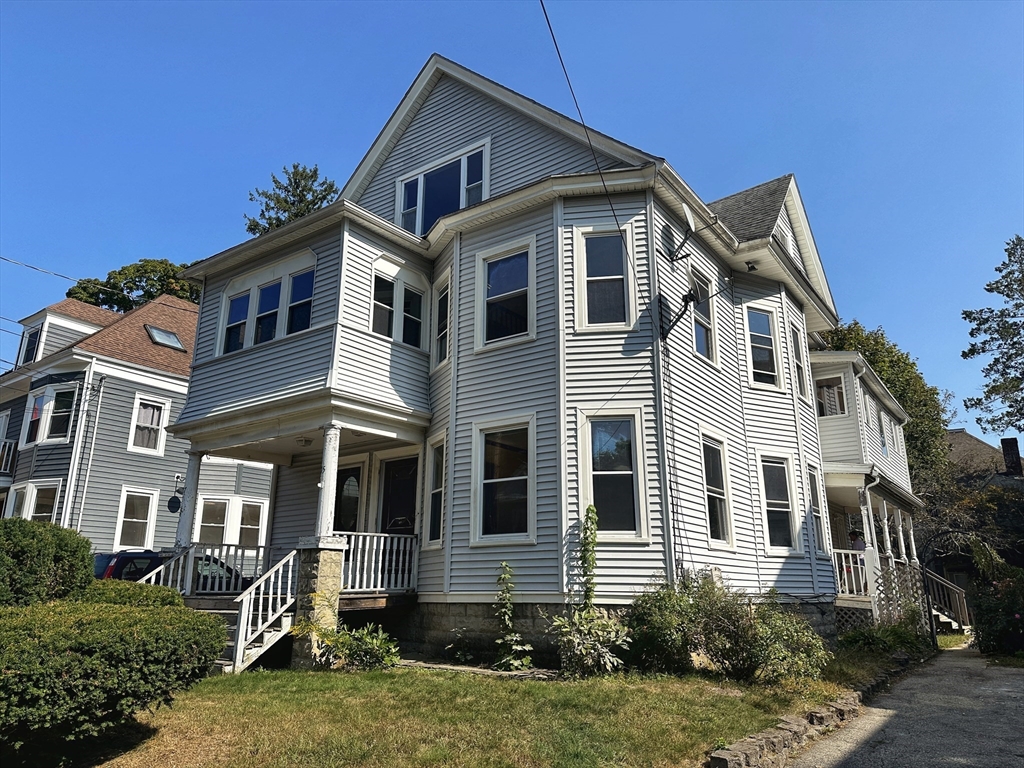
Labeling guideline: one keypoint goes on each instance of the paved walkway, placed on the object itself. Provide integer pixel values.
(955, 711)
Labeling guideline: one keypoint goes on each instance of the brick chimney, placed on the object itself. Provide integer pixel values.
(1011, 456)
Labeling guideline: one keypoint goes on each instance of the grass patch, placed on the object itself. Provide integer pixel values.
(954, 640)
(1003, 660)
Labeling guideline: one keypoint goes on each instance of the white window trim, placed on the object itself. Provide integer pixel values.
(484, 144)
(439, 439)
(154, 498)
(805, 362)
(23, 344)
(165, 414)
(399, 273)
(846, 395)
(780, 377)
(478, 428)
(794, 503)
(529, 244)
(729, 543)
(599, 411)
(5, 421)
(444, 281)
(376, 507)
(49, 393)
(232, 517)
(251, 282)
(713, 360)
(31, 488)
(580, 234)
(362, 461)
(814, 474)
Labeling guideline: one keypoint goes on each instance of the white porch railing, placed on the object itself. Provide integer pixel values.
(379, 562)
(262, 604)
(947, 598)
(853, 576)
(211, 569)
(8, 449)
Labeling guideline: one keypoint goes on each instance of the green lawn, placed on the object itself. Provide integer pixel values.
(951, 641)
(411, 717)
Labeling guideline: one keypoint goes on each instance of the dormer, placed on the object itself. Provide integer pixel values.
(59, 326)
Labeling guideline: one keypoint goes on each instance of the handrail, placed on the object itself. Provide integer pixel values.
(947, 597)
(379, 562)
(852, 572)
(262, 604)
(175, 573)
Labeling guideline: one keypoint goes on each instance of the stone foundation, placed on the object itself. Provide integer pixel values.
(821, 617)
(317, 597)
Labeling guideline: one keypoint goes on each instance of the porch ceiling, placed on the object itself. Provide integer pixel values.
(282, 448)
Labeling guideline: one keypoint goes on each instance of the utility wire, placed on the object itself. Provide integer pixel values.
(38, 269)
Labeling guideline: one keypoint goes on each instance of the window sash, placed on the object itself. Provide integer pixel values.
(35, 419)
(798, 358)
(300, 302)
(135, 521)
(148, 423)
(412, 316)
(441, 319)
(63, 407)
(714, 484)
(605, 279)
(45, 512)
(507, 313)
(436, 493)
(383, 306)
(816, 515)
(830, 396)
(249, 524)
(28, 355)
(778, 504)
(703, 336)
(267, 306)
(505, 507)
(431, 194)
(213, 521)
(613, 476)
(762, 349)
(238, 314)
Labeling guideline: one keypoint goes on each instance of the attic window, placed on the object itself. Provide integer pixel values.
(164, 338)
(456, 183)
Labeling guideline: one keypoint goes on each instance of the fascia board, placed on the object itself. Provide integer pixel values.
(331, 215)
(821, 286)
(794, 279)
(675, 190)
(417, 93)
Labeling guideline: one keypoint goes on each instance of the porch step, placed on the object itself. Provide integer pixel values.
(227, 609)
(945, 623)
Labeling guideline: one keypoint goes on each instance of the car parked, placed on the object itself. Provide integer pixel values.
(129, 565)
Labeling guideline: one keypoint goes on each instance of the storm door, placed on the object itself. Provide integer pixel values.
(346, 500)
(398, 496)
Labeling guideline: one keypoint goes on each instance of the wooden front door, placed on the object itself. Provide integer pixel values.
(398, 496)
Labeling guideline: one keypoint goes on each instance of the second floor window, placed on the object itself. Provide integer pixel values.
(390, 294)
(762, 347)
(606, 279)
(147, 429)
(300, 302)
(830, 396)
(278, 303)
(238, 312)
(507, 296)
(798, 361)
(266, 313)
(49, 415)
(882, 433)
(441, 315)
(703, 335)
(441, 190)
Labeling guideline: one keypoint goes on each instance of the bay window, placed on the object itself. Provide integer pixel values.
(505, 293)
(396, 289)
(605, 298)
(830, 396)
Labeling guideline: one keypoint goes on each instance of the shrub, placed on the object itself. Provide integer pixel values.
(41, 562)
(350, 649)
(118, 592)
(749, 640)
(513, 651)
(661, 626)
(68, 671)
(998, 605)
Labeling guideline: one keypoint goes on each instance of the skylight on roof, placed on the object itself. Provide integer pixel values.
(164, 338)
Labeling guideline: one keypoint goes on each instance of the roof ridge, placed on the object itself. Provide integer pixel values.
(756, 186)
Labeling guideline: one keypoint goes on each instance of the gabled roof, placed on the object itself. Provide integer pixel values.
(128, 340)
(438, 66)
(753, 213)
(79, 310)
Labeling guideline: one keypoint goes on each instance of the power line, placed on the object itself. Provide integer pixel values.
(39, 269)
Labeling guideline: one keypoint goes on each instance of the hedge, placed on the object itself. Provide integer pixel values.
(118, 592)
(41, 561)
(68, 670)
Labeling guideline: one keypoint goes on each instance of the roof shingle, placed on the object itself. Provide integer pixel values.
(87, 313)
(752, 213)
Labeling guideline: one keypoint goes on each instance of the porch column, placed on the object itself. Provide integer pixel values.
(866, 519)
(885, 531)
(899, 532)
(328, 480)
(187, 516)
(910, 536)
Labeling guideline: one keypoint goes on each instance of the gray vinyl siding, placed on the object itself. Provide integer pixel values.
(785, 228)
(294, 503)
(58, 337)
(614, 368)
(455, 115)
(893, 463)
(511, 380)
(841, 438)
(369, 365)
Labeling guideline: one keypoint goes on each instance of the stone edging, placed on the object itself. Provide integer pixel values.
(772, 748)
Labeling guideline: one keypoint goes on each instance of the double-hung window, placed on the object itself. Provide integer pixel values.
(135, 522)
(612, 473)
(504, 470)
(438, 190)
(703, 326)
(764, 368)
(49, 415)
(436, 491)
(231, 520)
(393, 291)
(37, 500)
(505, 297)
(778, 502)
(30, 345)
(270, 303)
(830, 396)
(799, 370)
(441, 313)
(604, 288)
(148, 421)
(816, 514)
(714, 484)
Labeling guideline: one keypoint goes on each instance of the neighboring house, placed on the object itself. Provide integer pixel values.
(83, 418)
(485, 335)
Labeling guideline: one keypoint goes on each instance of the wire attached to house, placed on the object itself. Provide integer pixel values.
(38, 269)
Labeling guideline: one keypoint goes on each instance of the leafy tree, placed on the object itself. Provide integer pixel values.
(301, 193)
(133, 285)
(1000, 332)
(927, 406)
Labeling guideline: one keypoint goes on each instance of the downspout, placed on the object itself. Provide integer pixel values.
(76, 451)
(92, 450)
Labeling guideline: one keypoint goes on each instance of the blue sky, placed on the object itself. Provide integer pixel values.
(131, 130)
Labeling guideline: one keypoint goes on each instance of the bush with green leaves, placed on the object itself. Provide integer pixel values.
(998, 604)
(68, 670)
(661, 625)
(513, 650)
(118, 592)
(367, 648)
(586, 639)
(41, 562)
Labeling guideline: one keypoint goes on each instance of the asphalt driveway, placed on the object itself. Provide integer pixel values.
(955, 711)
